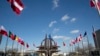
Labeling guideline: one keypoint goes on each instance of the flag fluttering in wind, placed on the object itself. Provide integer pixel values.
(96, 4)
(22, 43)
(85, 34)
(3, 31)
(92, 4)
(73, 41)
(12, 36)
(79, 38)
(16, 5)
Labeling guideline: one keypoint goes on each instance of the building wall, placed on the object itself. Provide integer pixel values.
(97, 39)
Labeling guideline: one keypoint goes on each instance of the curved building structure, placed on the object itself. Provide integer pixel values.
(48, 46)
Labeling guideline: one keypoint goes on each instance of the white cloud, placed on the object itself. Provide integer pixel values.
(55, 30)
(61, 37)
(74, 31)
(73, 19)
(55, 3)
(65, 17)
(51, 23)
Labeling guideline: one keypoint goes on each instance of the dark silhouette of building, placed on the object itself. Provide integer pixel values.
(48, 46)
(97, 39)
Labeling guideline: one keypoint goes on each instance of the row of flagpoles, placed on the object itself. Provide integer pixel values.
(80, 39)
(17, 5)
(13, 37)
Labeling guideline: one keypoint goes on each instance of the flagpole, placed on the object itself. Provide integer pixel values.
(78, 48)
(73, 48)
(17, 45)
(17, 48)
(12, 46)
(6, 45)
(88, 44)
(23, 49)
(83, 45)
(20, 49)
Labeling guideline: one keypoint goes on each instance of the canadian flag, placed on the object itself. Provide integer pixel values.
(16, 5)
(3, 31)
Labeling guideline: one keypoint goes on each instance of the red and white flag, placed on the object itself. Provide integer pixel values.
(72, 42)
(16, 5)
(95, 3)
(79, 38)
(92, 4)
(3, 31)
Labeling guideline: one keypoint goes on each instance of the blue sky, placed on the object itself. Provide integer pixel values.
(63, 19)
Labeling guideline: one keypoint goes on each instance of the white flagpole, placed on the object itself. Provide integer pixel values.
(6, 45)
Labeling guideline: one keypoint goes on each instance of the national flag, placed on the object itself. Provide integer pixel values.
(3, 31)
(85, 34)
(92, 4)
(16, 5)
(96, 3)
(73, 41)
(22, 43)
(0, 38)
(27, 45)
(64, 44)
(79, 38)
(12, 36)
(18, 39)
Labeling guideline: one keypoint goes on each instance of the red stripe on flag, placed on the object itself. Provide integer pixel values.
(16, 5)
(92, 4)
(3, 31)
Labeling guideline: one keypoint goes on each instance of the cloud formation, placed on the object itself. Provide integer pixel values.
(65, 18)
(74, 31)
(52, 23)
(61, 37)
(55, 3)
(73, 20)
